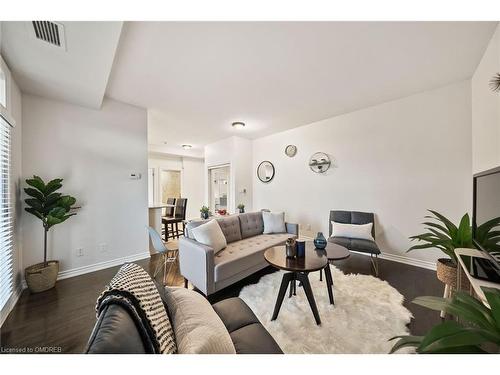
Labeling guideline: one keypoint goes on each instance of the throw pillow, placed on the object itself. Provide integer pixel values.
(359, 231)
(274, 222)
(198, 329)
(211, 235)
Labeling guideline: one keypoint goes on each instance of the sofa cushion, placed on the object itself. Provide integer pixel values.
(365, 246)
(230, 226)
(198, 328)
(251, 224)
(210, 234)
(244, 254)
(274, 222)
(248, 335)
(188, 228)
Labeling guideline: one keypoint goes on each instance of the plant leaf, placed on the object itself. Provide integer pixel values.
(34, 203)
(37, 183)
(53, 185)
(35, 212)
(405, 341)
(35, 194)
(493, 297)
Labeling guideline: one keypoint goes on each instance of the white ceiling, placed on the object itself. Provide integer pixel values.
(196, 78)
(78, 74)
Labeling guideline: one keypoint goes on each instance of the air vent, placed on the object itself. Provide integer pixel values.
(50, 32)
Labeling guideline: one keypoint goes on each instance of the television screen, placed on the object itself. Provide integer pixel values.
(486, 212)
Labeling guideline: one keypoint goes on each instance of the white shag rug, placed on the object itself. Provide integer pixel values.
(366, 314)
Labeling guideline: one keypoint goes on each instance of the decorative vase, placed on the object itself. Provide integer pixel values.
(42, 276)
(320, 241)
(291, 248)
(204, 215)
(242, 210)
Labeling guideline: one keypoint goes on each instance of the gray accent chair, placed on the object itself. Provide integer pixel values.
(243, 256)
(356, 244)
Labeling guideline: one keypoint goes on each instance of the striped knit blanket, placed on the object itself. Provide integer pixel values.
(134, 289)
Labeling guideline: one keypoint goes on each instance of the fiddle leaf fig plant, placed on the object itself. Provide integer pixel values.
(48, 205)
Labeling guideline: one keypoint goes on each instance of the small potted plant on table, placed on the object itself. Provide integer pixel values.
(241, 208)
(205, 212)
(51, 208)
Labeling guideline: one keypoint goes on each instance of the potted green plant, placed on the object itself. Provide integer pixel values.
(205, 212)
(241, 208)
(444, 235)
(476, 331)
(52, 208)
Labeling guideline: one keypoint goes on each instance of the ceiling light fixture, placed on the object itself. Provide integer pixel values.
(186, 147)
(238, 125)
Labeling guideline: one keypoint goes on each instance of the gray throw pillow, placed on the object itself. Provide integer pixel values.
(274, 222)
(197, 327)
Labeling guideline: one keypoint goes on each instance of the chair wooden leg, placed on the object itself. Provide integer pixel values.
(185, 283)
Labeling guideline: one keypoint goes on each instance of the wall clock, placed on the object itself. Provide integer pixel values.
(290, 150)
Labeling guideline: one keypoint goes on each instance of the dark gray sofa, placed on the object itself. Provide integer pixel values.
(115, 331)
(243, 256)
(355, 244)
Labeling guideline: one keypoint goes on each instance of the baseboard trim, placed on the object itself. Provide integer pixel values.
(101, 265)
(11, 303)
(66, 274)
(406, 260)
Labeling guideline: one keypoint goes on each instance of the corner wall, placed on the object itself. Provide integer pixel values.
(94, 151)
(397, 159)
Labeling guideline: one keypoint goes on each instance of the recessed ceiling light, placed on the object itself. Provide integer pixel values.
(238, 125)
(186, 147)
(165, 142)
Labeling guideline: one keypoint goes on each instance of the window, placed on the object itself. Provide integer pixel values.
(3, 88)
(6, 230)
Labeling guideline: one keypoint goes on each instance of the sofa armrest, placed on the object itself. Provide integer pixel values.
(292, 228)
(196, 262)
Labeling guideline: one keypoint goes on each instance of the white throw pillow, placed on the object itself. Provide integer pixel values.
(359, 231)
(198, 329)
(211, 235)
(274, 222)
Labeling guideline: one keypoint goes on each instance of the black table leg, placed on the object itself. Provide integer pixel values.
(309, 294)
(321, 275)
(329, 283)
(281, 294)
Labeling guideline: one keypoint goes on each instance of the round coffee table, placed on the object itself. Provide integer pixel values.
(299, 268)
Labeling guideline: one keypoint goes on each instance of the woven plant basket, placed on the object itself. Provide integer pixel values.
(41, 276)
(447, 273)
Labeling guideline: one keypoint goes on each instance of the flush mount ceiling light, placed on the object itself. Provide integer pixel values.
(186, 147)
(238, 125)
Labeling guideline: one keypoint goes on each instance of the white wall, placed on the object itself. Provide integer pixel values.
(192, 178)
(94, 151)
(396, 159)
(237, 152)
(486, 110)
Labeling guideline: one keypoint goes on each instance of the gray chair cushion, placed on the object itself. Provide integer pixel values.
(342, 241)
(364, 246)
(230, 226)
(251, 223)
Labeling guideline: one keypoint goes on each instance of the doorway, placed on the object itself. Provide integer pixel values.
(219, 184)
(170, 184)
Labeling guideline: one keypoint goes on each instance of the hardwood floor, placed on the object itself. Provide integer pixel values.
(63, 318)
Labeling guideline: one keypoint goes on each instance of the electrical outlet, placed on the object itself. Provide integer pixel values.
(79, 252)
(103, 247)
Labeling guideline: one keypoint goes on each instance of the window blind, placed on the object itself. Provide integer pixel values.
(6, 226)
